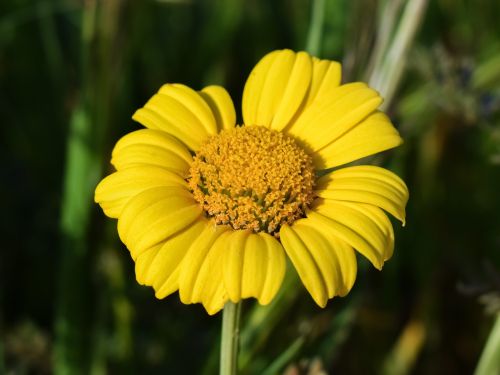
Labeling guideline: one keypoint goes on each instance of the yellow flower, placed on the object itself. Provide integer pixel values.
(210, 208)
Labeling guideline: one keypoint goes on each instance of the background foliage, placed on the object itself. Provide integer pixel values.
(72, 73)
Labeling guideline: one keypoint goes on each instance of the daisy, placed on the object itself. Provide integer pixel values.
(212, 209)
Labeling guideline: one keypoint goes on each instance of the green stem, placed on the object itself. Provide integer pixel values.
(230, 338)
(313, 45)
(489, 363)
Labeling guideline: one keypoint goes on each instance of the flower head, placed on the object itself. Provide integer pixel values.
(252, 178)
(210, 208)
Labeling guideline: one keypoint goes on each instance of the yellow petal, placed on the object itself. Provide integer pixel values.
(196, 269)
(143, 262)
(303, 261)
(155, 214)
(254, 87)
(215, 296)
(194, 102)
(221, 105)
(147, 146)
(326, 265)
(324, 121)
(326, 76)
(296, 86)
(233, 263)
(169, 286)
(276, 268)
(180, 112)
(153, 116)
(305, 123)
(351, 226)
(164, 270)
(276, 88)
(372, 135)
(377, 216)
(366, 184)
(213, 292)
(254, 266)
(115, 190)
(156, 265)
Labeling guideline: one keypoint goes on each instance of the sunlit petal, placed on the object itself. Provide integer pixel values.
(276, 88)
(181, 112)
(325, 121)
(372, 135)
(366, 184)
(151, 147)
(114, 191)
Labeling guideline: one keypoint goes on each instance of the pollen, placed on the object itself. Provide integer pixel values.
(252, 178)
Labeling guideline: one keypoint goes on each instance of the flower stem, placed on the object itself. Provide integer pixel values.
(230, 338)
(489, 363)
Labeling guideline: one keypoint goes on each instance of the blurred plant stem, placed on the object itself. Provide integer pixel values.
(279, 363)
(387, 17)
(82, 171)
(230, 338)
(489, 363)
(403, 356)
(313, 45)
(389, 59)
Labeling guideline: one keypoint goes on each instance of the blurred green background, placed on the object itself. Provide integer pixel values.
(73, 72)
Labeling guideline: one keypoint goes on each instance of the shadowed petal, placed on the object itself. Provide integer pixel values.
(221, 105)
(359, 230)
(198, 279)
(155, 214)
(325, 264)
(254, 266)
(377, 216)
(159, 266)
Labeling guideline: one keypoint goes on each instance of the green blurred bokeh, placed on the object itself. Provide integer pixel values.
(71, 75)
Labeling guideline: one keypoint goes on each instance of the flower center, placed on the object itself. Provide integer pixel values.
(252, 178)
